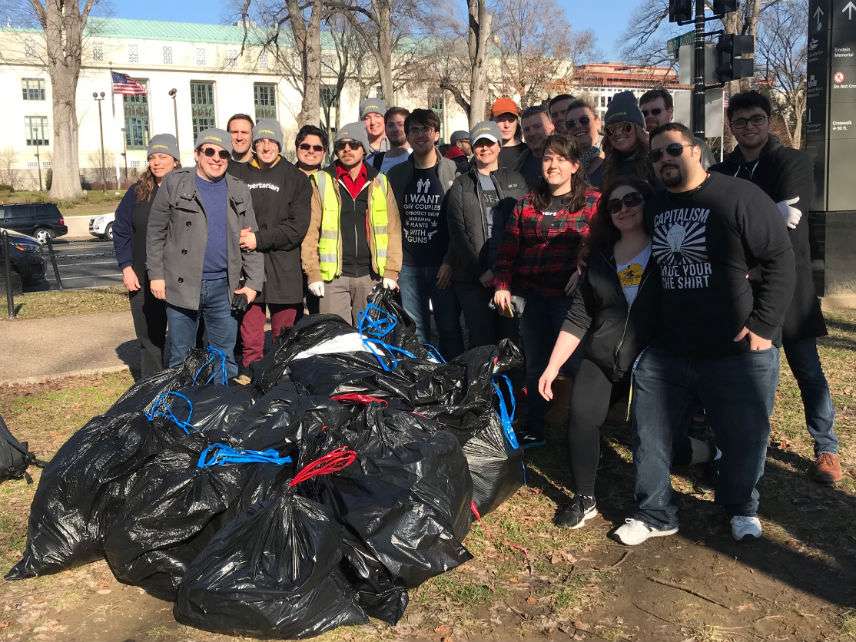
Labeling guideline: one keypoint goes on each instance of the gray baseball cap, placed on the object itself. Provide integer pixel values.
(268, 128)
(461, 134)
(485, 129)
(163, 144)
(372, 106)
(214, 136)
(355, 132)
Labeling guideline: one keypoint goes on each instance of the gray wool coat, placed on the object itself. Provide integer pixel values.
(177, 236)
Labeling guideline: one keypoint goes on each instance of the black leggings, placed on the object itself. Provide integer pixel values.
(592, 394)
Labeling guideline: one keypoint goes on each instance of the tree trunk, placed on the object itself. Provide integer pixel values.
(478, 35)
(382, 10)
(307, 38)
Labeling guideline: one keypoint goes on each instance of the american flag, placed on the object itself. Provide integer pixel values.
(127, 86)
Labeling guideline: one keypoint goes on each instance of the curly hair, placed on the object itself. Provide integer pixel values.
(568, 149)
(604, 234)
(144, 187)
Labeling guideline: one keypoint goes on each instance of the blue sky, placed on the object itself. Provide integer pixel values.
(607, 24)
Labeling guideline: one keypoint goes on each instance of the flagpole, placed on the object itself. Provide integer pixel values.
(112, 93)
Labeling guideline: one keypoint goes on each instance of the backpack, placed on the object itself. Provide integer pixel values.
(15, 457)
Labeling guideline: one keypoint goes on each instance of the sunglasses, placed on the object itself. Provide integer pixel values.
(347, 144)
(652, 112)
(621, 128)
(742, 123)
(672, 149)
(584, 121)
(210, 152)
(614, 205)
(307, 147)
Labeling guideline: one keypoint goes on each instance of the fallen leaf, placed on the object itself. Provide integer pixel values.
(532, 600)
(443, 629)
(579, 625)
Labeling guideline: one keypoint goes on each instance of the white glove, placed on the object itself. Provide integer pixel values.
(791, 215)
(390, 284)
(317, 288)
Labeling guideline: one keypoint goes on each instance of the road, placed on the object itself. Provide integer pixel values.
(84, 264)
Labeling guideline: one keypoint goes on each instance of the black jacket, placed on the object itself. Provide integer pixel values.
(784, 173)
(281, 199)
(470, 252)
(613, 333)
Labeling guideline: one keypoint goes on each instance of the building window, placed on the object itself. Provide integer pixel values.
(263, 60)
(133, 54)
(33, 88)
(167, 55)
(435, 103)
(36, 130)
(264, 98)
(200, 57)
(328, 96)
(202, 106)
(97, 52)
(137, 120)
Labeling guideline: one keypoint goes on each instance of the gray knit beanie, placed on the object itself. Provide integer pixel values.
(355, 132)
(268, 128)
(162, 144)
(214, 136)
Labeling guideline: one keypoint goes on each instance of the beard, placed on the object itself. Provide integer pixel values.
(671, 178)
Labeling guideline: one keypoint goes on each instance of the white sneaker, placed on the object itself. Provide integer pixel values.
(742, 526)
(635, 532)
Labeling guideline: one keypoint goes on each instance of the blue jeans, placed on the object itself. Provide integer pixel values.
(215, 307)
(819, 412)
(542, 320)
(735, 392)
(418, 288)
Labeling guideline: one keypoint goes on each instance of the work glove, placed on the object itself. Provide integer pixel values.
(317, 288)
(390, 284)
(791, 214)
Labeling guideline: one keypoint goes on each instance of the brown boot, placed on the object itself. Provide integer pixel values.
(827, 468)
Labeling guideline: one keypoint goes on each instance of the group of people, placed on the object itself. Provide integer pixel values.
(610, 249)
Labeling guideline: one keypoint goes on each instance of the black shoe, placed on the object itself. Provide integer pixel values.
(581, 509)
(528, 440)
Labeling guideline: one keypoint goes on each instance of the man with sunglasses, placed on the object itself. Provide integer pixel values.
(354, 236)
(715, 334)
(786, 175)
(657, 107)
(193, 252)
(583, 125)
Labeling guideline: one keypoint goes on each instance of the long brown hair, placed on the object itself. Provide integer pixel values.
(641, 164)
(604, 234)
(144, 187)
(566, 148)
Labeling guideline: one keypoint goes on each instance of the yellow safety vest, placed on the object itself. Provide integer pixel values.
(330, 240)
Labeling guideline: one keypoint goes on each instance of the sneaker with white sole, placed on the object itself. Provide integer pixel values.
(635, 532)
(743, 526)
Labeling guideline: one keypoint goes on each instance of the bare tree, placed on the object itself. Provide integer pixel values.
(7, 173)
(63, 23)
(346, 61)
(781, 57)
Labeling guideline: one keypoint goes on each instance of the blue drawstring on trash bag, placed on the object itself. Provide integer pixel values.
(434, 353)
(161, 406)
(224, 455)
(506, 418)
(217, 358)
(374, 325)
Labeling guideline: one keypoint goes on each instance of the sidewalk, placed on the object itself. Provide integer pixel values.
(35, 350)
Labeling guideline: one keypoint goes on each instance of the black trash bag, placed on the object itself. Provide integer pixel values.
(77, 489)
(408, 496)
(385, 303)
(202, 366)
(206, 409)
(15, 457)
(271, 572)
(174, 507)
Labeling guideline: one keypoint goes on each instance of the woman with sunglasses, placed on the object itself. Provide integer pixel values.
(582, 124)
(129, 243)
(613, 314)
(625, 141)
(536, 257)
(311, 145)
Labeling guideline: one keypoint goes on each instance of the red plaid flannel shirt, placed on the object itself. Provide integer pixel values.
(540, 259)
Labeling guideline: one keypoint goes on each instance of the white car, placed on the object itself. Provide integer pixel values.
(102, 226)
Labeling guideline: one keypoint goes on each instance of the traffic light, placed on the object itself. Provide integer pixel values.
(735, 54)
(681, 10)
(721, 7)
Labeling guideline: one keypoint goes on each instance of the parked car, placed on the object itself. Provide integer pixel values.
(39, 220)
(26, 262)
(102, 226)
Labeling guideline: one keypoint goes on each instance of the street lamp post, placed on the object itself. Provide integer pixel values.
(172, 93)
(99, 96)
(37, 140)
(125, 153)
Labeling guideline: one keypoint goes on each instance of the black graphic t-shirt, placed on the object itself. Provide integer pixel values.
(425, 236)
(705, 242)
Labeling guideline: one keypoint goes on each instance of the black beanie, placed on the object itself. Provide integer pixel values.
(624, 108)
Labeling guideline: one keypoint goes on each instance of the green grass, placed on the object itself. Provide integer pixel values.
(60, 303)
(92, 202)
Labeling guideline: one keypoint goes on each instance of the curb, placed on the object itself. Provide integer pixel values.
(28, 381)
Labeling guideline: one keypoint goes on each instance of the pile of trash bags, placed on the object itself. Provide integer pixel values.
(348, 472)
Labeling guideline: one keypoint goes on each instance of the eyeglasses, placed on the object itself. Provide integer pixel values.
(584, 121)
(347, 144)
(672, 149)
(632, 199)
(307, 147)
(210, 152)
(620, 128)
(652, 112)
(741, 123)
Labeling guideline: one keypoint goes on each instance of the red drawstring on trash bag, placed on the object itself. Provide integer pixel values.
(359, 398)
(332, 462)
